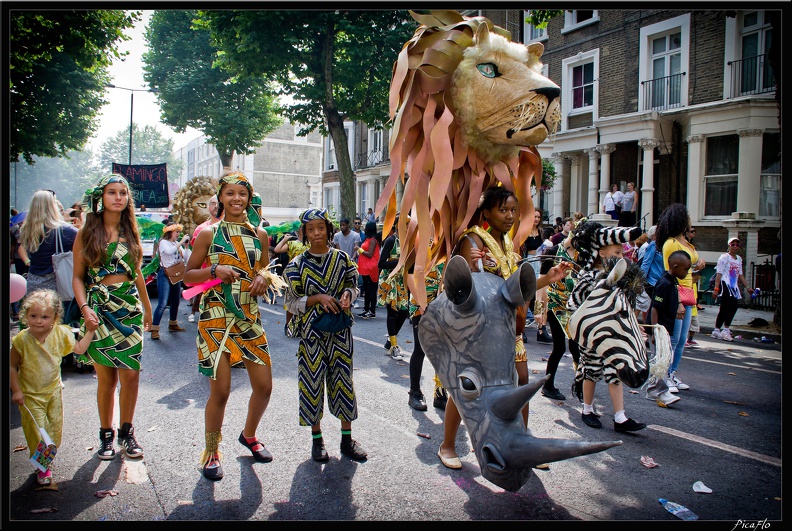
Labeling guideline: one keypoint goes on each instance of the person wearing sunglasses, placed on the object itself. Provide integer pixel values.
(728, 276)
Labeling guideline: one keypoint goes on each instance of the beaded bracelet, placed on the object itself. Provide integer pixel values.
(213, 271)
(83, 305)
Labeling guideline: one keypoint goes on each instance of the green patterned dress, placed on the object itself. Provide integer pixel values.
(118, 342)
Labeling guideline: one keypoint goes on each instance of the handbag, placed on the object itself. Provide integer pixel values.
(63, 266)
(45, 451)
(686, 296)
(332, 322)
(175, 273)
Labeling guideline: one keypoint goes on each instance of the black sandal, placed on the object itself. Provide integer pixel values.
(262, 455)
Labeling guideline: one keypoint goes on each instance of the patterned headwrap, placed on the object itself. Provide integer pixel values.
(254, 216)
(314, 213)
(92, 199)
(590, 236)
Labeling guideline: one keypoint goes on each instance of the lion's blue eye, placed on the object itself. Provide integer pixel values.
(488, 69)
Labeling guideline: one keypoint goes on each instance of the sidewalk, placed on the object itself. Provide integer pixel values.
(739, 326)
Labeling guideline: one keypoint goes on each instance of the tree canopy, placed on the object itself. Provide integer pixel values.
(148, 147)
(58, 71)
(69, 176)
(333, 65)
(234, 112)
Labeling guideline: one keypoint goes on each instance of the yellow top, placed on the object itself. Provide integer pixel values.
(39, 364)
(671, 245)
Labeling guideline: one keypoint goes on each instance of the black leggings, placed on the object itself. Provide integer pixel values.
(728, 307)
(370, 292)
(395, 320)
(559, 348)
(417, 358)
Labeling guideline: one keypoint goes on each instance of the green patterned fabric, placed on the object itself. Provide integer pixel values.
(118, 342)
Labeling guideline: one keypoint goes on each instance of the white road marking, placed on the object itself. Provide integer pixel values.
(735, 365)
(715, 444)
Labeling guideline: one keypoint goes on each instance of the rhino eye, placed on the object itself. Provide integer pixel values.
(488, 69)
(467, 384)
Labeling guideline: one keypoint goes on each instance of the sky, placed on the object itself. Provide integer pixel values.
(129, 73)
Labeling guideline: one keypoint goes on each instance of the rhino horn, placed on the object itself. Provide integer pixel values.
(522, 450)
(519, 288)
(507, 403)
(458, 284)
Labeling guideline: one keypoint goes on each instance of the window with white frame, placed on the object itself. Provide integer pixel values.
(579, 77)
(332, 198)
(578, 18)
(755, 72)
(770, 179)
(531, 33)
(330, 154)
(663, 65)
(665, 85)
(375, 148)
(363, 191)
(720, 175)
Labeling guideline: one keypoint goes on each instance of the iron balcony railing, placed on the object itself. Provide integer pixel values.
(663, 92)
(371, 158)
(751, 75)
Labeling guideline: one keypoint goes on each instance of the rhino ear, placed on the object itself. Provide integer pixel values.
(458, 282)
(520, 287)
(617, 272)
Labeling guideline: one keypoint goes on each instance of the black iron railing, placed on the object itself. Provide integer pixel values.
(371, 158)
(663, 92)
(751, 75)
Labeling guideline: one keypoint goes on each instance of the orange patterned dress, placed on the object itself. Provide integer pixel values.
(229, 315)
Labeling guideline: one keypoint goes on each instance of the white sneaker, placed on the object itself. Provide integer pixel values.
(672, 388)
(191, 318)
(395, 353)
(666, 399)
(726, 335)
(716, 333)
(678, 383)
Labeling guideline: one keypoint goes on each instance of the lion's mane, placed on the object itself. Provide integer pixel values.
(182, 201)
(446, 174)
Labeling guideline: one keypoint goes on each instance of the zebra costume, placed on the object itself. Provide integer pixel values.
(604, 323)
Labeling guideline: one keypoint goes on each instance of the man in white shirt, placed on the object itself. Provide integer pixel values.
(347, 240)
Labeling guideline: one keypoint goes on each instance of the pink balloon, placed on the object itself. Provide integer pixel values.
(18, 287)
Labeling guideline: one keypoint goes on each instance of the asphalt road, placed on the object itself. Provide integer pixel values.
(725, 432)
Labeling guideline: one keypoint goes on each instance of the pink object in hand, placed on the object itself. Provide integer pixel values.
(189, 293)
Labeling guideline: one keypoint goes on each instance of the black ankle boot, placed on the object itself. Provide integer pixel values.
(543, 337)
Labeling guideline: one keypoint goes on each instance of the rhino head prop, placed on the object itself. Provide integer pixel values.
(468, 334)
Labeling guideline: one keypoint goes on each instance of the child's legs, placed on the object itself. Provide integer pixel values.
(29, 428)
(311, 369)
(417, 358)
(451, 422)
(54, 425)
(341, 400)
(681, 327)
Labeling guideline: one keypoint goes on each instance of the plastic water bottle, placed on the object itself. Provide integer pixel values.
(755, 293)
(680, 511)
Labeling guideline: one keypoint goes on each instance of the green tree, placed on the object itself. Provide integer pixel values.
(234, 113)
(69, 176)
(539, 17)
(148, 147)
(333, 65)
(58, 69)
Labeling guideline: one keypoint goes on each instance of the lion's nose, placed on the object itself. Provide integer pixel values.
(550, 93)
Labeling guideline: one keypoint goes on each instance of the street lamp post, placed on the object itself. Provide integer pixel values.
(131, 108)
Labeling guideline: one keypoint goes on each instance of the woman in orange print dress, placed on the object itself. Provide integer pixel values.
(229, 329)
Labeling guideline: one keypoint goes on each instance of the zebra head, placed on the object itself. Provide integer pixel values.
(605, 323)
(468, 334)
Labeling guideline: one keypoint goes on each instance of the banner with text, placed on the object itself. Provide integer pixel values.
(149, 183)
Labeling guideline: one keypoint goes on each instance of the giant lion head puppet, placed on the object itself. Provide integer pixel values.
(190, 202)
(468, 106)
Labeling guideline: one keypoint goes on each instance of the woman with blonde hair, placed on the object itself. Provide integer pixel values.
(38, 239)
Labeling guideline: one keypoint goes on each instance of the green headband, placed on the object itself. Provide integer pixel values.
(92, 199)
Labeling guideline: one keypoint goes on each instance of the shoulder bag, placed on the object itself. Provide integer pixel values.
(686, 296)
(63, 266)
(175, 273)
